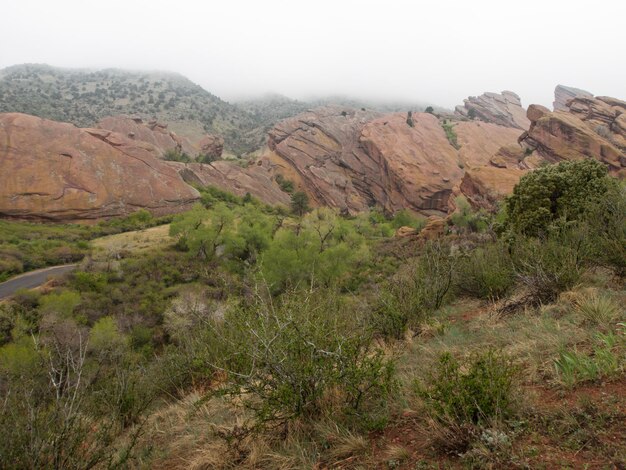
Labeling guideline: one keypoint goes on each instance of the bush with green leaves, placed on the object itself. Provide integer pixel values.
(549, 265)
(607, 222)
(468, 220)
(51, 383)
(473, 391)
(286, 357)
(300, 203)
(422, 287)
(322, 249)
(176, 155)
(486, 272)
(565, 191)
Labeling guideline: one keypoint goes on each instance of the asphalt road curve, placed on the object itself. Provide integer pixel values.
(32, 279)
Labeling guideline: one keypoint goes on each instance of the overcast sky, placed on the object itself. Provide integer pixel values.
(434, 51)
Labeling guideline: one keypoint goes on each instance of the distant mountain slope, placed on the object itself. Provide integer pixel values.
(83, 97)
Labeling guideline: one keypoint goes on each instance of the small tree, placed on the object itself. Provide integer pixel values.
(409, 119)
(430, 110)
(300, 203)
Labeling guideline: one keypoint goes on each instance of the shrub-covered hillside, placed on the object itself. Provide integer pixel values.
(248, 336)
(83, 97)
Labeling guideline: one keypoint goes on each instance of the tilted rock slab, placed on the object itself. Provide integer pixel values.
(352, 160)
(563, 94)
(56, 171)
(591, 128)
(504, 109)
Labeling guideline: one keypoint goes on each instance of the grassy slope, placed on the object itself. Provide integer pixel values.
(559, 426)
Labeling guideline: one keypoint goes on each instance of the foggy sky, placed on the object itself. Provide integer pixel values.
(431, 51)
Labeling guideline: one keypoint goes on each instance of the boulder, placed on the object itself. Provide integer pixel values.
(211, 146)
(434, 229)
(405, 231)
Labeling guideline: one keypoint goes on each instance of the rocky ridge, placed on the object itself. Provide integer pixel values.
(355, 159)
(590, 128)
(503, 108)
(562, 94)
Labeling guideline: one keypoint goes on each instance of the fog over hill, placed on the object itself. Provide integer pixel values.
(400, 51)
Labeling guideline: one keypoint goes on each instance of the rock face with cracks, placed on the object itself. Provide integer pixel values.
(353, 160)
(563, 94)
(590, 128)
(504, 109)
(56, 171)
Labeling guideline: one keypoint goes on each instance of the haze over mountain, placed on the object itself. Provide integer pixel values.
(402, 51)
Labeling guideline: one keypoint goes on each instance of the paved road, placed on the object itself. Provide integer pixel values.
(32, 279)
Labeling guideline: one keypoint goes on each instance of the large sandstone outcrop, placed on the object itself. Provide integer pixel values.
(485, 186)
(56, 171)
(353, 160)
(160, 137)
(562, 94)
(504, 109)
(257, 179)
(591, 128)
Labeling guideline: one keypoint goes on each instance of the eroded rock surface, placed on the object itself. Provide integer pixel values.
(56, 171)
(590, 128)
(563, 94)
(504, 109)
(353, 160)
(257, 179)
(160, 137)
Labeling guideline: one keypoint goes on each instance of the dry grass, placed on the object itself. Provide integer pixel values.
(397, 453)
(599, 309)
(138, 240)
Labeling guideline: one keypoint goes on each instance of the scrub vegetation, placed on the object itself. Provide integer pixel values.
(250, 336)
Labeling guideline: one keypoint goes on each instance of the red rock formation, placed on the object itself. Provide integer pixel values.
(562, 94)
(257, 179)
(352, 160)
(504, 109)
(160, 137)
(591, 128)
(483, 187)
(211, 146)
(55, 171)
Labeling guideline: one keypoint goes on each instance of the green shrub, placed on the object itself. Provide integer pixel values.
(474, 391)
(486, 272)
(285, 184)
(556, 192)
(599, 309)
(176, 155)
(300, 203)
(468, 220)
(284, 358)
(415, 292)
(551, 265)
(448, 128)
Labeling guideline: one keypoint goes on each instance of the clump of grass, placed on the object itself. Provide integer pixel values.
(573, 367)
(598, 309)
